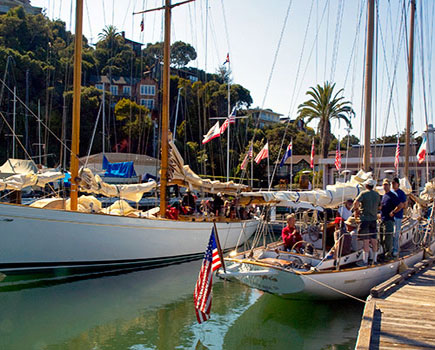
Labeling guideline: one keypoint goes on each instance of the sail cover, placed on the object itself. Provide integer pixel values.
(331, 197)
(181, 174)
(18, 166)
(91, 183)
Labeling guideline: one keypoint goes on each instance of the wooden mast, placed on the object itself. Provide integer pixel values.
(165, 109)
(410, 83)
(368, 84)
(76, 104)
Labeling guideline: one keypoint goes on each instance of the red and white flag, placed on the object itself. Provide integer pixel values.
(202, 295)
(247, 157)
(224, 126)
(212, 133)
(421, 154)
(396, 157)
(338, 158)
(264, 153)
(312, 155)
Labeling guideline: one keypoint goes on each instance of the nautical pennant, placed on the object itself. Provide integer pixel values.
(245, 160)
(212, 133)
(338, 158)
(264, 153)
(287, 154)
(421, 154)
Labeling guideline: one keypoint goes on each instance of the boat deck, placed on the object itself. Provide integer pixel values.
(400, 313)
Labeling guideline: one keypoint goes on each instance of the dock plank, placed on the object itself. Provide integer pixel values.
(402, 315)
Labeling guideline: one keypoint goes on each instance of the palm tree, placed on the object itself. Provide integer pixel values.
(109, 34)
(325, 106)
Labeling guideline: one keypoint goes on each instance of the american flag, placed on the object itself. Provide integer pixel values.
(312, 155)
(245, 160)
(264, 153)
(224, 126)
(396, 158)
(202, 294)
(232, 116)
(338, 158)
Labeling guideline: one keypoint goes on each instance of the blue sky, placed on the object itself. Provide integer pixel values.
(322, 40)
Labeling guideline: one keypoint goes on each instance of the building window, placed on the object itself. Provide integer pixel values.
(114, 90)
(126, 90)
(148, 103)
(99, 86)
(148, 90)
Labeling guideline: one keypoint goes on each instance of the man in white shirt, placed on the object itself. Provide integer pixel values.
(345, 210)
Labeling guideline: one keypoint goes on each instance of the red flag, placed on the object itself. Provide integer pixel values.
(421, 154)
(202, 295)
(141, 25)
(212, 133)
(312, 155)
(396, 158)
(264, 153)
(245, 160)
(338, 158)
(224, 126)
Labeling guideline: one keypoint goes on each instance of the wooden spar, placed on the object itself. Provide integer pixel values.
(165, 109)
(76, 104)
(368, 84)
(410, 83)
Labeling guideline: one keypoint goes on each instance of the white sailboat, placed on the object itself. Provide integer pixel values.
(37, 239)
(313, 276)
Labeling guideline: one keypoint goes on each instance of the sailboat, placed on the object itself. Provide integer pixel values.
(38, 239)
(312, 275)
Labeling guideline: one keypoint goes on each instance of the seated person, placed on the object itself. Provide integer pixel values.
(345, 210)
(189, 202)
(290, 235)
(352, 229)
(343, 240)
(217, 204)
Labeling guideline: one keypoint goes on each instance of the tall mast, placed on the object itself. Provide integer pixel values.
(165, 109)
(368, 84)
(410, 83)
(76, 104)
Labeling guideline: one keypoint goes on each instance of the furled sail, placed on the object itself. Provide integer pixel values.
(91, 183)
(181, 174)
(20, 181)
(331, 197)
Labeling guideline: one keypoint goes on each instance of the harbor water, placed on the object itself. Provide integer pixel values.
(153, 309)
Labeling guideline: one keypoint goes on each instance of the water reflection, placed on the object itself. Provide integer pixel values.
(153, 309)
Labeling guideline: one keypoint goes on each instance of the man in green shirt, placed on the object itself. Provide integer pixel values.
(366, 207)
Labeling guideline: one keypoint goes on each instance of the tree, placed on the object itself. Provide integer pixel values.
(325, 106)
(182, 53)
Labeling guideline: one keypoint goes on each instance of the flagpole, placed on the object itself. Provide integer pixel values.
(229, 124)
(291, 167)
(252, 169)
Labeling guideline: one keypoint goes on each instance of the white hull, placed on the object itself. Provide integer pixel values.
(312, 284)
(37, 239)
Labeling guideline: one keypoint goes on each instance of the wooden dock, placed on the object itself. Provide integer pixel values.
(400, 313)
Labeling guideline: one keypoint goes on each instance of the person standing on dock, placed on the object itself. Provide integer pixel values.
(388, 203)
(397, 214)
(366, 207)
